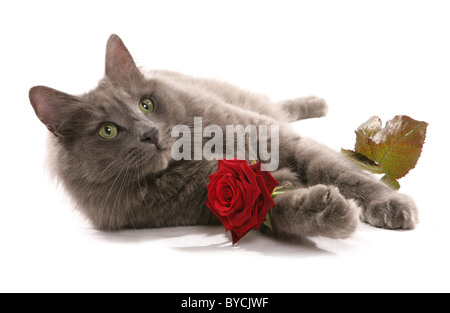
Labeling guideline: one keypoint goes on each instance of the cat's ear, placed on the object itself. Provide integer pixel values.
(54, 108)
(120, 65)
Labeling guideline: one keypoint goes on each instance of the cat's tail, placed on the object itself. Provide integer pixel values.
(305, 107)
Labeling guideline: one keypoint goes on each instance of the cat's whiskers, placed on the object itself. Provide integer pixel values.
(102, 211)
(119, 195)
(89, 185)
(143, 193)
(134, 173)
(127, 176)
(111, 164)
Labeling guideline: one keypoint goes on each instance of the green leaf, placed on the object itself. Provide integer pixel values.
(279, 190)
(397, 147)
(277, 193)
(393, 183)
(267, 221)
(362, 161)
(363, 134)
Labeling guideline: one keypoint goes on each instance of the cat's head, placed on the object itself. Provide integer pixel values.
(123, 124)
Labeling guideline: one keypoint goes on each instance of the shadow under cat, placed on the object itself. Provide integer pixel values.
(213, 239)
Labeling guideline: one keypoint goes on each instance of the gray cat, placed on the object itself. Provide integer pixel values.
(111, 150)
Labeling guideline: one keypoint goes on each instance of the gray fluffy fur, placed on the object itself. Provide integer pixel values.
(130, 183)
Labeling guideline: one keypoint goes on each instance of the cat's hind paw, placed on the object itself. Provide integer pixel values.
(304, 108)
(397, 212)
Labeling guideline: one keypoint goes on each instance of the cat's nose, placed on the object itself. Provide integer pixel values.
(152, 136)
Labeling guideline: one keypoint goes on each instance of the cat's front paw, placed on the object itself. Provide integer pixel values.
(333, 215)
(319, 210)
(398, 211)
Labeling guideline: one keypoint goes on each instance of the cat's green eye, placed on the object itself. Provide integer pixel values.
(108, 131)
(146, 105)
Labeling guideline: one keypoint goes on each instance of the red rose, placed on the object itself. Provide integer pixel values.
(240, 196)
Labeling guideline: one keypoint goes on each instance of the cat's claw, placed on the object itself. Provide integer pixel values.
(396, 212)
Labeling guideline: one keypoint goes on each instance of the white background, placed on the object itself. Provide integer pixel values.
(365, 58)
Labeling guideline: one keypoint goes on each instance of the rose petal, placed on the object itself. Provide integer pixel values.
(222, 187)
(231, 166)
(269, 181)
(250, 195)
